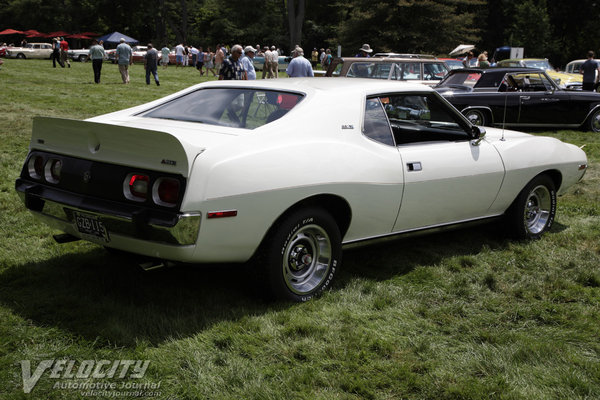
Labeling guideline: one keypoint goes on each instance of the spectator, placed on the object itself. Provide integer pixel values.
(327, 59)
(219, 58)
(151, 64)
(232, 68)
(200, 60)
(179, 53)
(274, 62)
(97, 55)
(248, 63)
(591, 72)
(194, 52)
(209, 57)
(267, 66)
(64, 53)
(467, 60)
(165, 56)
(56, 53)
(322, 57)
(364, 51)
(482, 60)
(299, 66)
(314, 58)
(124, 56)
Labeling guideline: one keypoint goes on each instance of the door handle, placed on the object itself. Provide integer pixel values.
(525, 97)
(414, 166)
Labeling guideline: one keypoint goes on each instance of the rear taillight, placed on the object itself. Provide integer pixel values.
(165, 192)
(35, 167)
(135, 187)
(52, 170)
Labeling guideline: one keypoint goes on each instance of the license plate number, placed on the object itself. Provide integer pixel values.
(90, 225)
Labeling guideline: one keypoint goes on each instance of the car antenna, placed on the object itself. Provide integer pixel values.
(504, 80)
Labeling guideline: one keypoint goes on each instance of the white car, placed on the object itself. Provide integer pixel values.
(31, 50)
(80, 55)
(285, 172)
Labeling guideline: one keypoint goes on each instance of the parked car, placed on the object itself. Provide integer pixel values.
(425, 71)
(453, 63)
(282, 63)
(80, 55)
(519, 97)
(285, 172)
(403, 55)
(138, 54)
(31, 50)
(564, 80)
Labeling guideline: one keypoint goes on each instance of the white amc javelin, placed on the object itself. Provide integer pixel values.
(285, 172)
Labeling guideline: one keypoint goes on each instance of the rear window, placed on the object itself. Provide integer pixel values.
(232, 107)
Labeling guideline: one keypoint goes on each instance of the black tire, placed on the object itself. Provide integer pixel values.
(533, 211)
(21, 56)
(476, 117)
(302, 255)
(82, 58)
(593, 122)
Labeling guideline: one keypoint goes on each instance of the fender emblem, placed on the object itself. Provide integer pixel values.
(348, 126)
(168, 162)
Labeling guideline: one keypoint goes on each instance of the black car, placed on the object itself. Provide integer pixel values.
(519, 97)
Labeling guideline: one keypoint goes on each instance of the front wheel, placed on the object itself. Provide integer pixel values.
(302, 255)
(21, 56)
(82, 58)
(594, 121)
(476, 117)
(534, 209)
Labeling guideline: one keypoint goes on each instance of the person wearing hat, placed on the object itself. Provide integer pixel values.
(232, 68)
(56, 53)
(364, 51)
(248, 63)
(124, 57)
(299, 66)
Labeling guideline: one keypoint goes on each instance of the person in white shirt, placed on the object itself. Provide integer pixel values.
(274, 62)
(179, 52)
(248, 63)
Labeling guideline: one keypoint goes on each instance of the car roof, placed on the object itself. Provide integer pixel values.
(390, 59)
(498, 70)
(339, 85)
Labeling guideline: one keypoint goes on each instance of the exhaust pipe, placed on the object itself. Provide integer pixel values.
(153, 264)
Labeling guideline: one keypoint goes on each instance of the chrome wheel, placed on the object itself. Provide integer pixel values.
(538, 209)
(595, 121)
(476, 117)
(307, 259)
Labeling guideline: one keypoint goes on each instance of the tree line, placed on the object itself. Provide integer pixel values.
(556, 29)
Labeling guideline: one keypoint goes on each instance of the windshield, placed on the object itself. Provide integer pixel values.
(462, 79)
(233, 107)
(541, 64)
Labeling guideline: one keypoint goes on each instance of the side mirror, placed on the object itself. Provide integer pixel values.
(478, 134)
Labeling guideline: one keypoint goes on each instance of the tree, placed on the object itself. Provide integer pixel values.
(295, 12)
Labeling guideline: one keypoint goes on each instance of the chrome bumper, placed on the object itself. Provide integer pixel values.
(184, 232)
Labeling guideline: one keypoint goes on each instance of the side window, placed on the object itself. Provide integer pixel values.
(360, 70)
(411, 71)
(422, 118)
(376, 125)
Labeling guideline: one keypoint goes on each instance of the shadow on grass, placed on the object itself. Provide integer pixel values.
(105, 297)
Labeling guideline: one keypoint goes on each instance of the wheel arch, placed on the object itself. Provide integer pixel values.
(556, 177)
(589, 115)
(487, 112)
(335, 205)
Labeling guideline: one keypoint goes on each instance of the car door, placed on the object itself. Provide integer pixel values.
(541, 102)
(447, 177)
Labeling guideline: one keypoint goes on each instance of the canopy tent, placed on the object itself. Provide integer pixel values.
(10, 32)
(78, 36)
(57, 34)
(91, 34)
(462, 49)
(115, 37)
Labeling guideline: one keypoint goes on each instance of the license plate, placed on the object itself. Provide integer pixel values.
(90, 225)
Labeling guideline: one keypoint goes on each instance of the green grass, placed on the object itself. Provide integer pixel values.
(460, 315)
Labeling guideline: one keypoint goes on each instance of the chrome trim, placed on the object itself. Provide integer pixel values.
(184, 232)
(419, 231)
(488, 109)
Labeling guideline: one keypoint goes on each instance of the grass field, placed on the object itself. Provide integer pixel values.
(460, 315)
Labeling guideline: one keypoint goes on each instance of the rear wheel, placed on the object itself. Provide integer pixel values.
(533, 211)
(82, 58)
(302, 255)
(476, 117)
(594, 121)
(21, 56)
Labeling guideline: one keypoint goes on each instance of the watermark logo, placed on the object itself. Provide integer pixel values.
(88, 371)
